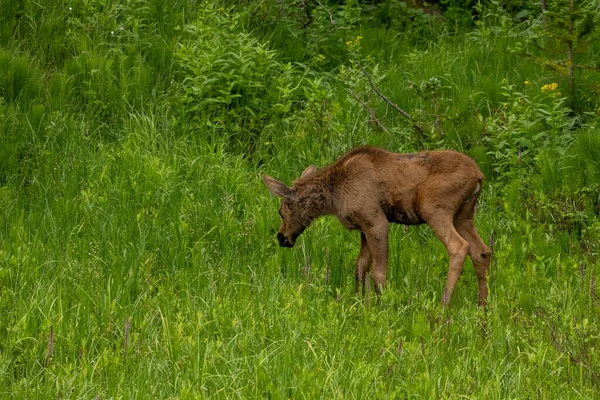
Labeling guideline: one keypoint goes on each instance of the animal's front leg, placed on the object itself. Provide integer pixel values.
(377, 240)
(457, 247)
(363, 264)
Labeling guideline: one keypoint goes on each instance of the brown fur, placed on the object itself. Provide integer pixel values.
(370, 187)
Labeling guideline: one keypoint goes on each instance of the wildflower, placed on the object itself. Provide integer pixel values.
(526, 83)
(549, 87)
(354, 43)
(70, 8)
(112, 32)
(321, 57)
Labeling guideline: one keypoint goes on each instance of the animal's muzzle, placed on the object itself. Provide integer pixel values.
(284, 241)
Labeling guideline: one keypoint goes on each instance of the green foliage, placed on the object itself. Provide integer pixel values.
(420, 25)
(232, 79)
(522, 126)
(19, 79)
(564, 38)
(137, 249)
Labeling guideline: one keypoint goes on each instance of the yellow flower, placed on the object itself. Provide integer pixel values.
(526, 83)
(354, 43)
(549, 87)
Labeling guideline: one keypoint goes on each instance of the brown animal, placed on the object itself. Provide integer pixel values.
(370, 187)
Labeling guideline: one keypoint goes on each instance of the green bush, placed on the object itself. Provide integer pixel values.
(232, 85)
(523, 125)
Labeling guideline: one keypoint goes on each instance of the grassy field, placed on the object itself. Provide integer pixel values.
(138, 256)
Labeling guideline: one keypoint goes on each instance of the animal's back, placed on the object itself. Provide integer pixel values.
(438, 161)
(453, 162)
(401, 183)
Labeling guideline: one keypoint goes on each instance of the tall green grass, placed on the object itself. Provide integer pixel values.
(137, 241)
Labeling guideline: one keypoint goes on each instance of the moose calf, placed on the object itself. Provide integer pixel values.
(370, 187)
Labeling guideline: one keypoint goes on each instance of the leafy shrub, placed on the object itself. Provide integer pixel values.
(232, 84)
(523, 125)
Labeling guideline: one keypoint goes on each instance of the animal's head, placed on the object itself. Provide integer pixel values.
(295, 215)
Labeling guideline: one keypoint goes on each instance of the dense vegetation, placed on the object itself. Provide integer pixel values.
(137, 248)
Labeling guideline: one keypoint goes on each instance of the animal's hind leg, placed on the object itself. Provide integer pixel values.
(363, 264)
(478, 251)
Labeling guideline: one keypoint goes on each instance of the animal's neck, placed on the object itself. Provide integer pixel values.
(318, 196)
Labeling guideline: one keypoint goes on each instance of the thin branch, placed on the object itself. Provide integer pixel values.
(371, 112)
(387, 109)
(394, 106)
(417, 128)
(328, 12)
(307, 11)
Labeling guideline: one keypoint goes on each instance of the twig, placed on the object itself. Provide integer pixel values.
(328, 12)
(371, 112)
(387, 108)
(394, 106)
(307, 11)
(420, 133)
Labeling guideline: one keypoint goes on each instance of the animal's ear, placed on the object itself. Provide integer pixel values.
(276, 187)
(309, 171)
